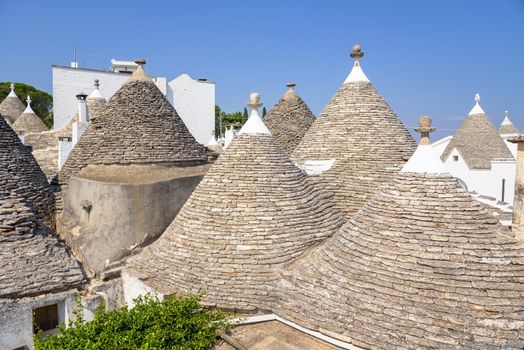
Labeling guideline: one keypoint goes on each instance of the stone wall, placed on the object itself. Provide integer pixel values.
(16, 316)
(108, 211)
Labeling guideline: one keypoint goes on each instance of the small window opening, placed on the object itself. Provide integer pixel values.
(45, 318)
(456, 158)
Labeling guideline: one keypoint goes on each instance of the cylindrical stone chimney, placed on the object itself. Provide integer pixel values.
(83, 115)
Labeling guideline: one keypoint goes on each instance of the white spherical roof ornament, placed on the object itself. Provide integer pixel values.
(12, 92)
(254, 124)
(357, 74)
(477, 109)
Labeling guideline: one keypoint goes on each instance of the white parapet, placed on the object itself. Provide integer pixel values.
(65, 145)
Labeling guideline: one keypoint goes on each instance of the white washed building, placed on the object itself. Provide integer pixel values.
(194, 100)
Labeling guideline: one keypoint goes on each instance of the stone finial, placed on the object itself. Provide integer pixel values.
(425, 129)
(357, 52)
(139, 73)
(506, 114)
(97, 84)
(291, 86)
(28, 100)
(12, 86)
(254, 101)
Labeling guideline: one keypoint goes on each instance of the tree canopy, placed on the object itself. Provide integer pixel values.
(228, 119)
(41, 101)
(177, 322)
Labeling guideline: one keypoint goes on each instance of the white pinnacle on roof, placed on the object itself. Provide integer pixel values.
(28, 109)
(254, 124)
(12, 92)
(476, 109)
(96, 92)
(213, 141)
(506, 120)
(356, 74)
(424, 160)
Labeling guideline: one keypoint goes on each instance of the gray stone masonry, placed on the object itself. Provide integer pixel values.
(20, 173)
(289, 120)
(32, 260)
(422, 265)
(479, 142)
(253, 210)
(365, 137)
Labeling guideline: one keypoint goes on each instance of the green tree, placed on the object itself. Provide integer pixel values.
(264, 112)
(227, 119)
(173, 323)
(41, 101)
(244, 116)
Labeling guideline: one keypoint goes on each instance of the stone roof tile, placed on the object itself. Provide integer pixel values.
(507, 127)
(253, 210)
(422, 265)
(11, 107)
(20, 173)
(478, 141)
(32, 260)
(365, 138)
(289, 119)
(137, 125)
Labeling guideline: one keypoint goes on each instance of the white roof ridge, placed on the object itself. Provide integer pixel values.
(356, 74)
(12, 92)
(476, 109)
(425, 160)
(506, 120)
(96, 92)
(254, 124)
(28, 109)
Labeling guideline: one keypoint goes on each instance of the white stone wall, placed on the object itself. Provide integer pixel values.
(487, 182)
(16, 317)
(64, 149)
(195, 103)
(134, 287)
(68, 82)
(439, 146)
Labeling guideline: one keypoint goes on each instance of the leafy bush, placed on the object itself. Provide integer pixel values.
(174, 323)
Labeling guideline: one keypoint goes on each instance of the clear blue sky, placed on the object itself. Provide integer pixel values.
(425, 57)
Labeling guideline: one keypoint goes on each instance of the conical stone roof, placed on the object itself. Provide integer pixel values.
(507, 127)
(137, 125)
(289, 120)
(477, 140)
(365, 138)
(32, 260)
(253, 210)
(11, 107)
(20, 173)
(29, 121)
(422, 265)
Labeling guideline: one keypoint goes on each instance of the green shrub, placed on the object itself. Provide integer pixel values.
(173, 323)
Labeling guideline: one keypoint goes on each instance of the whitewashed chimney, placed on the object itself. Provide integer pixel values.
(83, 118)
